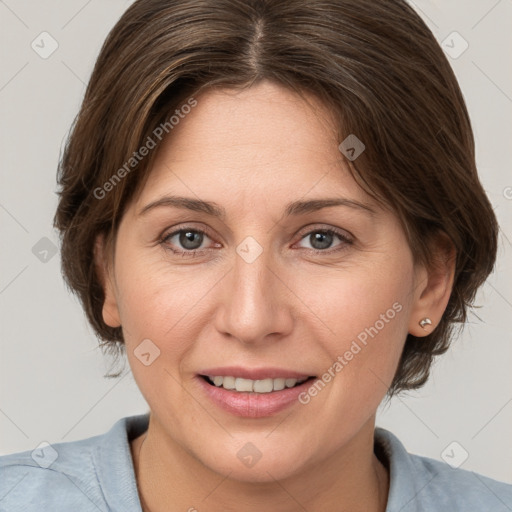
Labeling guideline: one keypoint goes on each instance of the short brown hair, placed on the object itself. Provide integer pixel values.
(374, 63)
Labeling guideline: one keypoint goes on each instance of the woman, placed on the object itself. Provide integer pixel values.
(273, 208)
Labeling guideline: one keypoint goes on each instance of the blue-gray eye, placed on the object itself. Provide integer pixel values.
(321, 239)
(188, 239)
(191, 239)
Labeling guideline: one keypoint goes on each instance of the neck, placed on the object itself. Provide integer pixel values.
(352, 479)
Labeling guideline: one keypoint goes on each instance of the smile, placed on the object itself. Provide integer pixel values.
(254, 386)
(256, 393)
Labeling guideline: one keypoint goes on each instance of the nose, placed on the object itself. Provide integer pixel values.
(254, 304)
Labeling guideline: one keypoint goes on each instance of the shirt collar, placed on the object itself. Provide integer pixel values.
(114, 463)
(406, 479)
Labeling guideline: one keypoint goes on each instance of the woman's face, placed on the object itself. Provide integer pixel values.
(281, 287)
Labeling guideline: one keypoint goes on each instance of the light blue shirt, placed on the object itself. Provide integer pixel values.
(97, 474)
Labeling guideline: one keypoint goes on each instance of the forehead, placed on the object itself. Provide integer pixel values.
(260, 141)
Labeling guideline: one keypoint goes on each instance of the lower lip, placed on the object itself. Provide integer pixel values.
(253, 405)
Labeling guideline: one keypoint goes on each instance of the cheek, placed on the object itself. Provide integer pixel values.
(366, 309)
(158, 310)
(374, 295)
(161, 303)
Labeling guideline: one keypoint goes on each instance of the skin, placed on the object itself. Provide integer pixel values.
(252, 152)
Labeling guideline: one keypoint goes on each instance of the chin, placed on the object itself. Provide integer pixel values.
(244, 462)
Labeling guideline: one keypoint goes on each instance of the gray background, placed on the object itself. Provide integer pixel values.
(52, 385)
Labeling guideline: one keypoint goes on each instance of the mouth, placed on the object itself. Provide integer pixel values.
(253, 393)
(242, 385)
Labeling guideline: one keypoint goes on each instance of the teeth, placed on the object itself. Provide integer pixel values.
(289, 383)
(228, 382)
(279, 384)
(217, 380)
(263, 386)
(243, 384)
(256, 386)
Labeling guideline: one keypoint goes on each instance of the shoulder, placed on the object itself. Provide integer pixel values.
(72, 474)
(51, 477)
(423, 484)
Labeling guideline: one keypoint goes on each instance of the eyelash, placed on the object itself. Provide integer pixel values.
(198, 252)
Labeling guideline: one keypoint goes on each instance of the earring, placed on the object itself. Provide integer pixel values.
(425, 321)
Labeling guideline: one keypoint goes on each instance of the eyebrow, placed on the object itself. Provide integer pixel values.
(215, 210)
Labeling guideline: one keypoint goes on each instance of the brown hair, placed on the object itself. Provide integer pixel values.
(374, 63)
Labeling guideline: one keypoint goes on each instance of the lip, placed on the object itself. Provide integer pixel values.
(252, 405)
(254, 373)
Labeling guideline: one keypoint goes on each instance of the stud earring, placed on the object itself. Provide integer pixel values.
(425, 321)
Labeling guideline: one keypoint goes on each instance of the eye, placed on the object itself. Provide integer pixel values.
(321, 240)
(186, 241)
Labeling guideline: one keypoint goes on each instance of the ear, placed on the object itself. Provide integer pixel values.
(434, 285)
(104, 270)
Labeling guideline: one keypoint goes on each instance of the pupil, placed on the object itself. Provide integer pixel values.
(321, 240)
(191, 239)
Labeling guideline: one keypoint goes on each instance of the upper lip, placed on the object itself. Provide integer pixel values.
(254, 373)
